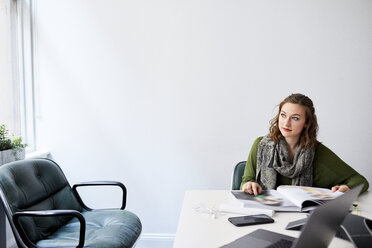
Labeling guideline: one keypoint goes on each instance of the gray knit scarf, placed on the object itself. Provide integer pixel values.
(274, 158)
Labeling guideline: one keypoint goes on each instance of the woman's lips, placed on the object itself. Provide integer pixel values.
(286, 129)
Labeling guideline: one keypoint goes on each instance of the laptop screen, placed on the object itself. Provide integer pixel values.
(322, 225)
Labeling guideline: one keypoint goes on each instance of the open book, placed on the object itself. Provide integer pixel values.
(287, 198)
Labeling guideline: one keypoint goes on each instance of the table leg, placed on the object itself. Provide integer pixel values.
(2, 227)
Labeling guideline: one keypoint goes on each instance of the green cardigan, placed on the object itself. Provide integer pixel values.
(329, 170)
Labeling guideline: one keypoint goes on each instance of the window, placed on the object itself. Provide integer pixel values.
(16, 69)
(9, 83)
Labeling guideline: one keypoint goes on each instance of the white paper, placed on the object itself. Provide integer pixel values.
(239, 209)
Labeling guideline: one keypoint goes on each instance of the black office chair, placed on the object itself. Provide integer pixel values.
(44, 211)
(237, 175)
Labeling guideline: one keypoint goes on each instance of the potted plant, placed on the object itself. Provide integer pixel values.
(11, 147)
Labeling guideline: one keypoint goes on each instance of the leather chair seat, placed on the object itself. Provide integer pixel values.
(108, 228)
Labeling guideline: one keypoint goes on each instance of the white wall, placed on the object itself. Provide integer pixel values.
(167, 96)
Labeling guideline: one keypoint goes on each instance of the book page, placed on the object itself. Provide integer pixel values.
(269, 199)
(299, 194)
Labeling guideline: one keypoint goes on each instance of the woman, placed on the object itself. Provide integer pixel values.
(291, 155)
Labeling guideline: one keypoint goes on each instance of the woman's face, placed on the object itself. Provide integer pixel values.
(292, 120)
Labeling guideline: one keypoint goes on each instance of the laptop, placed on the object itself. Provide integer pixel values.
(318, 232)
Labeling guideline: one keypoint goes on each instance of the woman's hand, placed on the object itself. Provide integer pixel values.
(252, 188)
(341, 188)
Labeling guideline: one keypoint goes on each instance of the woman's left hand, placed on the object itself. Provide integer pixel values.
(341, 188)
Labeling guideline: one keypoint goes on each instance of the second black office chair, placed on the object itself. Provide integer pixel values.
(237, 175)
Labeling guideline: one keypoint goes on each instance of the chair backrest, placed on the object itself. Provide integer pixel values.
(237, 175)
(36, 184)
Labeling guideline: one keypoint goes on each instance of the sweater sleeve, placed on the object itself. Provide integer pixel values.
(250, 167)
(330, 170)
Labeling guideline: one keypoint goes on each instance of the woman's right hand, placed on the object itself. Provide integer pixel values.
(252, 188)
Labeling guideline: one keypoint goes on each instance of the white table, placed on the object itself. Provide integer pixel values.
(196, 229)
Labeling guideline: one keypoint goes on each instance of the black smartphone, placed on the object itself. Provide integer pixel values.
(251, 220)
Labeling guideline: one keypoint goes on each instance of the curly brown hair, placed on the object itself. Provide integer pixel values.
(309, 133)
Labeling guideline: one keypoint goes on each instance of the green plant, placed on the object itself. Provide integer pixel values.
(10, 142)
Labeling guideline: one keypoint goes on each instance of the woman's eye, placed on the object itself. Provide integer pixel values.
(295, 118)
(282, 115)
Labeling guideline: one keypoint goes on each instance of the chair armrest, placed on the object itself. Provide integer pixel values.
(49, 213)
(100, 183)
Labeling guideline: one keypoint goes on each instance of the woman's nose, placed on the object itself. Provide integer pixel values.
(287, 122)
